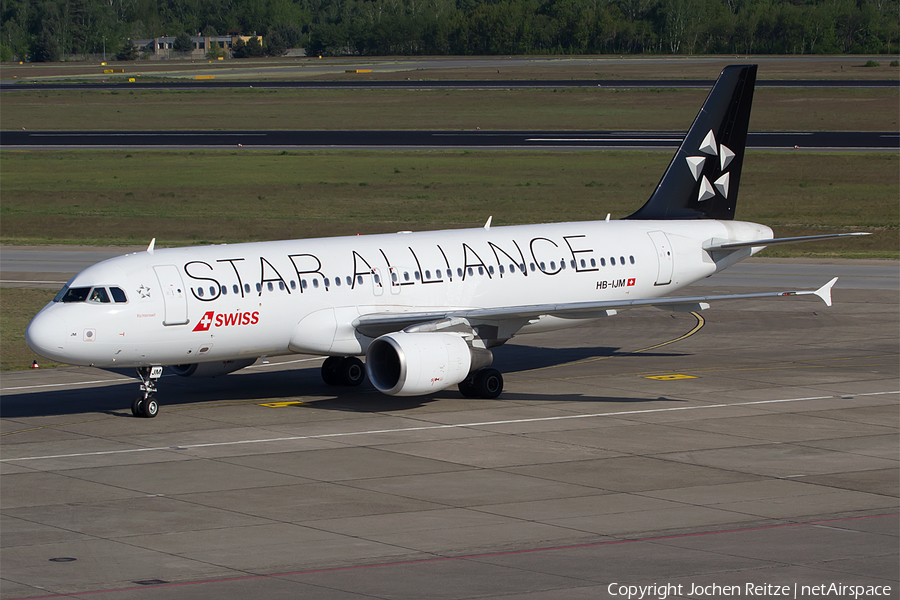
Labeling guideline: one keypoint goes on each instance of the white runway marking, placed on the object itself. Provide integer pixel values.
(434, 427)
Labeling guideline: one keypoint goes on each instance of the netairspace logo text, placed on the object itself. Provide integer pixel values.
(748, 590)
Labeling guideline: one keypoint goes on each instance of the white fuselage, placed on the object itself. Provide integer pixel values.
(232, 302)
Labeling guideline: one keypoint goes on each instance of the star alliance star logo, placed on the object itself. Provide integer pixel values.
(144, 291)
(695, 163)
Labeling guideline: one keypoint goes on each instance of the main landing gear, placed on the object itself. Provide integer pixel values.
(483, 383)
(347, 370)
(144, 405)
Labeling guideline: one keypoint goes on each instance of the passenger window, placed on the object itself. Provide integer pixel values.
(532, 267)
(200, 292)
(258, 288)
(481, 270)
(359, 278)
(593, 263)
(471, 272)
(212, 291)
(427, 274)
(235, 289)
(602, 262)
(224, 290)
(350, 280)
(337, 281)
(612, 260)
(377, 279)
(303, 284)
(583, 265)
(270, 287)
(405, 277)
(118, 295)
(491, 269)
(293, 285)
(315, 283)
(502, 270)
(458, 272)
(621, 260)
(572, 263)
(281, 285)
(631, 258)
(512, 268)
(326, 282)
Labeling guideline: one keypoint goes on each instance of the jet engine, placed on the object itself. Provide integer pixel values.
(413, 364)
(211, 369)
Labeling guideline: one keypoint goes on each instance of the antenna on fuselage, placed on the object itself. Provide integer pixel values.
(487, 224)
(152, 244)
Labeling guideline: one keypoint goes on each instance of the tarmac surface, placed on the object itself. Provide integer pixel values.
(755, 444)
(807, 140)
(419, 84)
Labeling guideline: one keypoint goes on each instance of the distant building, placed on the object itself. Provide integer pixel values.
(163, 48)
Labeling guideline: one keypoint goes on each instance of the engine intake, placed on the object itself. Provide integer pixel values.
(414, 364)
(211, 369)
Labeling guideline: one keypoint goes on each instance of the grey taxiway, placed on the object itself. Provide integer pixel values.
(756, 443)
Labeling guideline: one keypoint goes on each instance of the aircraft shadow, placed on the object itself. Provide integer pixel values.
(285, 385)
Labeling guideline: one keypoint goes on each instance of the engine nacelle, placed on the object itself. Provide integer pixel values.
(211, 369)
(413, 364)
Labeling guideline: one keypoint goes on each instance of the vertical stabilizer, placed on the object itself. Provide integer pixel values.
(702, 180)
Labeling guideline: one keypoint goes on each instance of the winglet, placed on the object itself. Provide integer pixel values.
(487, 225)
(824, 292)
(150, 247)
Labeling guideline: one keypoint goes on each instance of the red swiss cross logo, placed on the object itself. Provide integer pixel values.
(630, 282)
(205, 322)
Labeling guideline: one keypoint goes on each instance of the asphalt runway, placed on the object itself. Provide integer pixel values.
(757, 445)
(828, 140)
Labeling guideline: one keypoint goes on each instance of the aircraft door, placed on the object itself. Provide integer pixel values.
(173, 294)
(377, 282)
(664, 255)
(395, 281)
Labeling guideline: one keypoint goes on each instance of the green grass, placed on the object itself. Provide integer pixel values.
(774, 109)
(119, 197)
(17, 307)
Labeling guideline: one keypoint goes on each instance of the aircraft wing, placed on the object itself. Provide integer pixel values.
(376, 324)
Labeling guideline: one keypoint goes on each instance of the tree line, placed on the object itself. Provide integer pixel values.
(42, 30)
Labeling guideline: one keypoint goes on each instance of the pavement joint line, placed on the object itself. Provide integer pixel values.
(428, 428)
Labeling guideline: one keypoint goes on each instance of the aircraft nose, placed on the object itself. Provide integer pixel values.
(46, 335)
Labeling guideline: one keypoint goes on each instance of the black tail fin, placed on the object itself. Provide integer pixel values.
(702, 180)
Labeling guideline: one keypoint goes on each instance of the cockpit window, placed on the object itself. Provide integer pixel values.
(86, 294)
(76, 294)
(99, 295)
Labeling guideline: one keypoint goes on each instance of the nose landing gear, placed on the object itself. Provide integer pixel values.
(144, 405)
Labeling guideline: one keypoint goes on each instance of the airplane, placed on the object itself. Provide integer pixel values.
(425, 309)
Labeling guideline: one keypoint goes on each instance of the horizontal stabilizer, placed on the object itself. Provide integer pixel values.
(778, 241)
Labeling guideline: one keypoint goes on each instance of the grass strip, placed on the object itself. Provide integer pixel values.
(195, 197)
